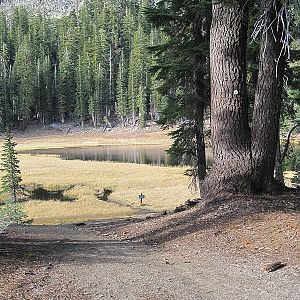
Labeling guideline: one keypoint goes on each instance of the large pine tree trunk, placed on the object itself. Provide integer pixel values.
(265, 127)
(244, 162)
(229, 114)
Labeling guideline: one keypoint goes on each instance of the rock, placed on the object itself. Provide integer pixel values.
(80, 224)
(180, 208)
(192, 202)
(188, 204)
(273, 267)
(30, 273)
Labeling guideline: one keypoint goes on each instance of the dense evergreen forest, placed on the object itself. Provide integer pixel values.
(91, 65)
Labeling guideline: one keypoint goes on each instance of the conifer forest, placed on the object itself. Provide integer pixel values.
(89, 65)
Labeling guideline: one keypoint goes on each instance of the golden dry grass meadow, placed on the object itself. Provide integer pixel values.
(164, 187)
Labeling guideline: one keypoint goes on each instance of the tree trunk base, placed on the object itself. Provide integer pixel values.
(218, 186)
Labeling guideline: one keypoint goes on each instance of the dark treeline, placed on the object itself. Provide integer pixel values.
(90, 66)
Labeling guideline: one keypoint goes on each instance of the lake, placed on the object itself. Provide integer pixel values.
(138, 154)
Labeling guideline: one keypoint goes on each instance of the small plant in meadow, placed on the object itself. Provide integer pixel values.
(10, 166)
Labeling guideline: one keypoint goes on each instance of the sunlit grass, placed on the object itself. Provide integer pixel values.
(164, 188)
(289, 176)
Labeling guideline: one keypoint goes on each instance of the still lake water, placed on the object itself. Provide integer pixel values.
(139, 154)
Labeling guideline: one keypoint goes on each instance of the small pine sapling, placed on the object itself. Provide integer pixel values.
(10, 166)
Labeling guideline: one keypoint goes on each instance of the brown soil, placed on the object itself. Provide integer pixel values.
(217, 250)
(69, 135)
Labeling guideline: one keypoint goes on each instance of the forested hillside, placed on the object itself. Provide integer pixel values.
(89, 65)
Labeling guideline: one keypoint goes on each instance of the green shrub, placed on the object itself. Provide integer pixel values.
(11, 212)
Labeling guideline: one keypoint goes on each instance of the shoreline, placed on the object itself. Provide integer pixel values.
(69, 135)
(48, 137)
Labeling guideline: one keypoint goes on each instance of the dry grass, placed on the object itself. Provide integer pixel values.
(164, 187)
(288, 178)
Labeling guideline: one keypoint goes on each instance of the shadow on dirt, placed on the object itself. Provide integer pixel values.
(16, 251)
(221, 212)
(86, 243)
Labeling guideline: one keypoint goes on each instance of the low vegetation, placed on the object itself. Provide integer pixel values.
(164, 188)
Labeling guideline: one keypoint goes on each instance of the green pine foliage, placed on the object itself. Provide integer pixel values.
(10, 166)
(11, 212)
(95, 62)
(122, 108)
(4, 84)
(89, 65)
(24, 80)
(180, 74)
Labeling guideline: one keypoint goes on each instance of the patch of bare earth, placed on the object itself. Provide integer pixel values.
(69, 135)
(265, 226)
(216, 250)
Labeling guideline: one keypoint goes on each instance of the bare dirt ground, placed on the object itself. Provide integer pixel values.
(216, 250)
(70, 135)
(58, 135)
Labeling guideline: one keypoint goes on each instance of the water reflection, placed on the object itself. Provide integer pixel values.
(138, 154)
(141, 154)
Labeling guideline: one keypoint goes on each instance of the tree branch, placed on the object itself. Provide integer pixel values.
(288, 142)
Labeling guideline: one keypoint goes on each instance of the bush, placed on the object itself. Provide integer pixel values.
(11, 212)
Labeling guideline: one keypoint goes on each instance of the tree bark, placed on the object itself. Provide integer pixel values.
(244, 159)
(231, 171)
(200, 143)
(266, 113)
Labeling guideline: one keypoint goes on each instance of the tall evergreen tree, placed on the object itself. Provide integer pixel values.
(4, 86)
(122, 108)
(24, 81)
(180, 73)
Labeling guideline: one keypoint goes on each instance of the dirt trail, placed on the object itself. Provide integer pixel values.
(98, 261)
(140, 210)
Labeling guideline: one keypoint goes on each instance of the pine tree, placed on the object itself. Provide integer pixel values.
(135, 74)
(11, 212)
(24, 79)
(66, 87)
(99, 66)
(4, 86)
(141, 105)
(10, 166)
(180, 75)
(122, 105)
(84, 85)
